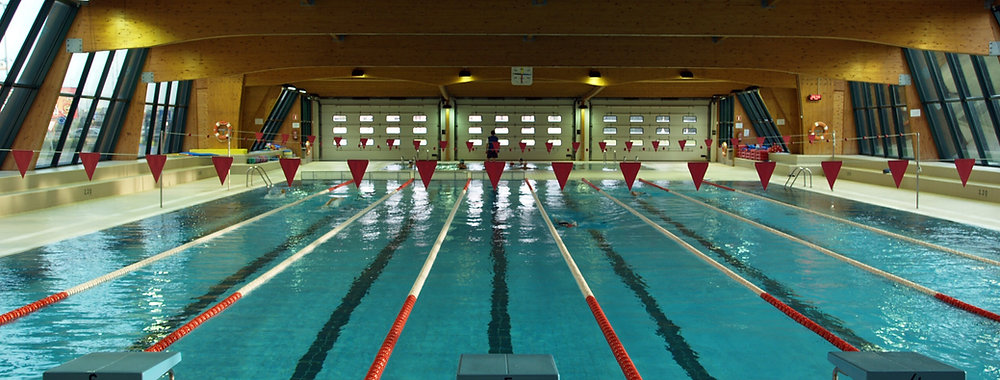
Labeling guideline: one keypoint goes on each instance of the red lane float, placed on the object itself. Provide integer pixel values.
(967, 307)
(617, 349)
(32, 307)
(720, 186)
(194, 323)
(384, 352)
(808, 323)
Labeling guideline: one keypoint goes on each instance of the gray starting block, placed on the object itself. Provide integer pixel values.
(891, 366)
(116, 366)
(506, 367)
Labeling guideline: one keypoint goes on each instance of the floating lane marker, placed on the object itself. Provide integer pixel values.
(624, 361)
(35, 306)
(900, 280)
(788, 310)
(860, 225)
(248, 288)
(385, 351)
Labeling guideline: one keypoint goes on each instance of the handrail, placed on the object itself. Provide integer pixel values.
(794, 176)
(263, 175)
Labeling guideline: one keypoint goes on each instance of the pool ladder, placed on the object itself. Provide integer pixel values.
(263, 175)
(794, 176)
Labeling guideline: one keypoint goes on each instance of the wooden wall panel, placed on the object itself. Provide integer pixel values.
(221, 98)
(257, 104)
(825, 110)
(783, 105)
(960, 26)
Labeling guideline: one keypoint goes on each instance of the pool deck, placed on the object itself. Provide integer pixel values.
(32, 229)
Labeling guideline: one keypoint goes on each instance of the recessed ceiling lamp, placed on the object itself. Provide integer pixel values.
(687, 74)
(357, 73)
(464, 73)
(595, 74)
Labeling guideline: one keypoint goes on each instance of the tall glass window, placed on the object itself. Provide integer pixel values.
(880, 117)
(159, 117)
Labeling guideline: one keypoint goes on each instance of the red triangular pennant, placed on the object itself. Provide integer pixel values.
(311, 139)
(576, 146)
(336, 140)
(788, 139)
(357, 170)
(416, 144)
(708, 142)
(426, 170)
(630, 170)
(523, 145)
(90, 162)
(760, 140)
(258, 136)
(155, 162)
(831, 169)
(495, 169)
(656, 145)
(390, 142)
(698, 170)
(443, 144)
(222, 165)
(628, 146)
(284, 139)
(22, 158)
(603, 145)
(735, 141)
(764, 171)
(496, 146)
(364, 143)
(898, 169)
(682, 143)
(964, 166)
(548, 147)
(469, 144)
(812, 138)
(562, 170)
(290, 166)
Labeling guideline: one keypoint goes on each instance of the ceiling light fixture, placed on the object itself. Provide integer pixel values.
(464, 73)
(687, 74)
(595, 74)
(357, 73)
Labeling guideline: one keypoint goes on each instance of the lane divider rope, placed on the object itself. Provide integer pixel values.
(617, 349)
(249, 287)
(37, 305)
(900, 280)
(870, 228)
(385, 351)
(781, 306)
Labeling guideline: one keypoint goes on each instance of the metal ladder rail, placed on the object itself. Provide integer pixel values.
(794, 176)
(263, 175)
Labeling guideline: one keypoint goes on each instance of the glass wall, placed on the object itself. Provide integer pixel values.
(880, 116)
(165, 106)
(961, 99)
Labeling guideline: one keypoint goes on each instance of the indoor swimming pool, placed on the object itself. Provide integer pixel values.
(500, 284)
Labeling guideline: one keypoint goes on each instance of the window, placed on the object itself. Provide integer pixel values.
(420, 130)
(391, 118)
(635, 131)
(367, 130)
(366, 118)
(689, 119)
(555, 142)
(662, 131)
(663, 119)
(554, 130)
(502, 130)
(528, 130)
(611, 142)
(689, 131)
(635, 119)
(636, 143)
(340, 130)
(880, 110)
(475, 118)
(422, 141)
(392, 130)
(665, 143)
(528, 142)
(395, 142)
(475, 130)
(504, 142)
(339, 118)
(527, 118)
(476, 142)
(555, 118)
(610, 118)
(610, 130)
(501, 118)
(343, 142)
(420, 119)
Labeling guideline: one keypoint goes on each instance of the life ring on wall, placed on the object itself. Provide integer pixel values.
(725, 149)
(819, 130)
(222, 130)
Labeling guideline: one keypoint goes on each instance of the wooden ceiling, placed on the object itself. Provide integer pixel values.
(414, 49)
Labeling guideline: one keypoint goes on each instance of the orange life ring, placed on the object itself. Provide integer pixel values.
(222, 130)
(725, 149)
(819, 130)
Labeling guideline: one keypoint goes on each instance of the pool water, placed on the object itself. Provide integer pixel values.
(500, 285)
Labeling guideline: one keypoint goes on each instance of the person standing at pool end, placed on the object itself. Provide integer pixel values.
(492, 150)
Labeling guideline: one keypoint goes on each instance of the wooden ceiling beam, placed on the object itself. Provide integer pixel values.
(955, 26)
(846, 60)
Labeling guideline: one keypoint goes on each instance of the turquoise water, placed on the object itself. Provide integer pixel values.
(501, 285)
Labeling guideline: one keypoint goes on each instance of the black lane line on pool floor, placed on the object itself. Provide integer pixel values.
(311, 362)
(499, 327)
(683, 353)
(772, 286)
(164, 327)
